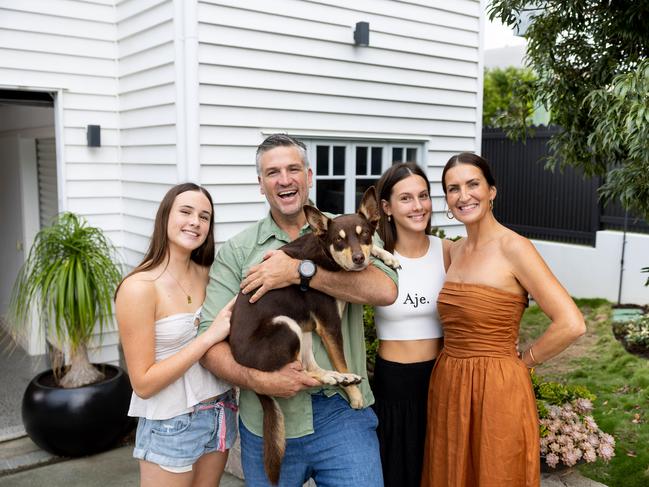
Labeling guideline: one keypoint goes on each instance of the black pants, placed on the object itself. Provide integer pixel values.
(401, 393)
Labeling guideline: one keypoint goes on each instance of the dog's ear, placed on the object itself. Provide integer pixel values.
(318, 221)
(369, 207)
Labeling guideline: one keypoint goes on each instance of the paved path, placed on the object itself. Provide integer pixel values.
(117, 468)
(114, 468)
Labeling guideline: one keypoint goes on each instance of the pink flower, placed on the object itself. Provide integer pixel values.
(590, 423)
(583, 406)
(553, 412)
(590, 455)
(552, 460)
(593, 439)
(606, 451)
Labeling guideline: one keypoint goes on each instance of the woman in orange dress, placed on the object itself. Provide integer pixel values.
(483, 426)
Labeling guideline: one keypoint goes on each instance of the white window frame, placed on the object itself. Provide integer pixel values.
(350, 162)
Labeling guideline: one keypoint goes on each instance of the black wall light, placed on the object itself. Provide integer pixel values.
(362, 34)
(94, 136)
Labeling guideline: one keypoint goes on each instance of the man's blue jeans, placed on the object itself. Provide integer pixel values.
(343, 450)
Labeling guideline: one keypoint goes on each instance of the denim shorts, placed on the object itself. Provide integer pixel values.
(183, 439)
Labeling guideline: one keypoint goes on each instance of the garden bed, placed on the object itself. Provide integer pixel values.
(619, 380)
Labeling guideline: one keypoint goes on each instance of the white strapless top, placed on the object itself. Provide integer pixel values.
(172, 334)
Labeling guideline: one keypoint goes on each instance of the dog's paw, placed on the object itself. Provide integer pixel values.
(387, 258)
(393, 262)
(336, 378)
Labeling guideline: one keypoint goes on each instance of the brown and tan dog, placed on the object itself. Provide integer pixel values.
(277, 329)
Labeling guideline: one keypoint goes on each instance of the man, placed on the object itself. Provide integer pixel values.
(326, 439)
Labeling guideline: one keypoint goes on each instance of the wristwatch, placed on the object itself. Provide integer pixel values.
(306, 270)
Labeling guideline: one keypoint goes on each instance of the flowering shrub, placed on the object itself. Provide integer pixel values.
(568, 431)
(636, 331)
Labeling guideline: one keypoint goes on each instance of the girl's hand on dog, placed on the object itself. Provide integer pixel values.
(220, 327)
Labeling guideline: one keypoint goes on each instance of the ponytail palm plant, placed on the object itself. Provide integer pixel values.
(70, 276)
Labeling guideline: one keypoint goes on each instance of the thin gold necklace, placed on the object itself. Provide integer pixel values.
(189, 298)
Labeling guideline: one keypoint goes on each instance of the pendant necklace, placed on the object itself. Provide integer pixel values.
(189, 298)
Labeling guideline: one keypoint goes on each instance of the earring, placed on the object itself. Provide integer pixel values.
(389, 218)
(449, 214)
(491, 204)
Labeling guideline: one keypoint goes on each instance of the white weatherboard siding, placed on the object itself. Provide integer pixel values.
(68, 47)
(292, 66)
(147, 114)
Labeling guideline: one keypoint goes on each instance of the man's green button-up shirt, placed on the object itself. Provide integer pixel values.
(230, 267)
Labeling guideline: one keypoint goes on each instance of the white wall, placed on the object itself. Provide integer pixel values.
(292, 66)
(147, 115)
(68, 46)
(588, 272)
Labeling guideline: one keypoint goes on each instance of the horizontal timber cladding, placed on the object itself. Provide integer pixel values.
(146, 30)
(291, 66)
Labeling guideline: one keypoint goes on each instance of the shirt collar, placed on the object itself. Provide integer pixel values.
(269, 229)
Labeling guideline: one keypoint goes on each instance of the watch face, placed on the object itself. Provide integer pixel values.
(307, 268)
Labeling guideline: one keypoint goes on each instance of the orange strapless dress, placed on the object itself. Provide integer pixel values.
(483, 427)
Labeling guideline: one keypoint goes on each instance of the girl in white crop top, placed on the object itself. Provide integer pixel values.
(409, 330)
(187, 418)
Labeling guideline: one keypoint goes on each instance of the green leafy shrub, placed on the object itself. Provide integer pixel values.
(371, 341)
(634, 332)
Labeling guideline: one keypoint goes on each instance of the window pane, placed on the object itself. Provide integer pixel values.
(361, 186)
(331, 195)
(411, 155)
(397, 154)
(361, 160)
(339, 160)
(377, 160)
(322, 160)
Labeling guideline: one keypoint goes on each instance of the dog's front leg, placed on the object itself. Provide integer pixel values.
(312, 368)
(386, 257)
(334, 346)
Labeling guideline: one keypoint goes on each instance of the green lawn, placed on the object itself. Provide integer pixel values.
(621, 383)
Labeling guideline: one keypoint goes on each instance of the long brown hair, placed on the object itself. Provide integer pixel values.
(387, 229)
(159, 245)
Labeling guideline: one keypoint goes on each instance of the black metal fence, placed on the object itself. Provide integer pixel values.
(561, 206)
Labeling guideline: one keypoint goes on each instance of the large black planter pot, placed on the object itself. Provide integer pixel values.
(79, 421)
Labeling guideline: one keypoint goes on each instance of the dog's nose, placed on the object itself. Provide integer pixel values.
(358, 258)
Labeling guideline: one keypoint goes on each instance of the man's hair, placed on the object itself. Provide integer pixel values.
(280, 140)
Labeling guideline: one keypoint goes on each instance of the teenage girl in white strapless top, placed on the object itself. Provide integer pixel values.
(187, 417)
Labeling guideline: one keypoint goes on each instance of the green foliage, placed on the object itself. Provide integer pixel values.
(557, 394)
(371, 341)
(588, 57)
(70, 275)
(635, 332)
(621, 133)
(508, 99)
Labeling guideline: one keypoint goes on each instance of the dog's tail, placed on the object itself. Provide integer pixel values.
(274, 437)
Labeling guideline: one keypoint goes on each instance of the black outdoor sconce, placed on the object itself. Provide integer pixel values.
(94, 136)
(362, 34)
